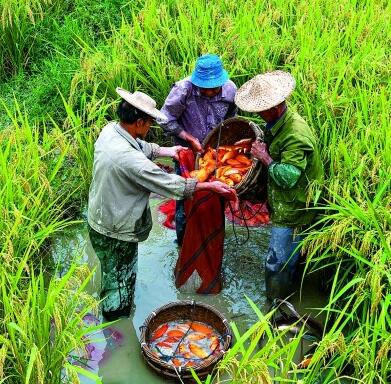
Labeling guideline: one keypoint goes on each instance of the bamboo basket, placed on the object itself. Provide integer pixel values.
(183, 310)
(227, 133)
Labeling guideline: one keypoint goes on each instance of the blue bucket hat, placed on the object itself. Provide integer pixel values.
(209, 72)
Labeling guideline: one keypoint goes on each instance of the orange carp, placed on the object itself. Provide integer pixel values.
(198, 351)
(185, 343)
(160, 331)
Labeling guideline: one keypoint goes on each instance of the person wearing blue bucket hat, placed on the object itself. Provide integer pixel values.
(209, 72)
(194, 106)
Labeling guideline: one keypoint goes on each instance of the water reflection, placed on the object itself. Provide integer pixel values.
(243, 275)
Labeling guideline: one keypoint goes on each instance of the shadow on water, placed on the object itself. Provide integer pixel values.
(243, 274)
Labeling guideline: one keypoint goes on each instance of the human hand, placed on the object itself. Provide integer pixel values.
(195, 144)
(175, 151)
(260, 152)
(219, 187)
(170, 151)
(193, 141)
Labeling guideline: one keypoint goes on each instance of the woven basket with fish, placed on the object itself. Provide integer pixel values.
(227, 156)
(184, 335)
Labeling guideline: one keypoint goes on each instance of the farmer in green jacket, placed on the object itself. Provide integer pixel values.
(291, 154)
(118, 206)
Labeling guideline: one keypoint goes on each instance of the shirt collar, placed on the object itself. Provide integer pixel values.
(221, 95)
(270, 124)
(127, 136)
(275, 126)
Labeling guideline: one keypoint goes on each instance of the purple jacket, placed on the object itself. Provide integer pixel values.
(186, 109)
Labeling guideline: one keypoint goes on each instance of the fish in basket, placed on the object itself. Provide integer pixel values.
(227, 163)
(185, 343)
(227, 156)
(184, 335)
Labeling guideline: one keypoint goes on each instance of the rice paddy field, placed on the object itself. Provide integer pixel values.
(60, 62)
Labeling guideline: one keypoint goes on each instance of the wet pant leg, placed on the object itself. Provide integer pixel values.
(118, 261)
(180, 218)
(281, 261)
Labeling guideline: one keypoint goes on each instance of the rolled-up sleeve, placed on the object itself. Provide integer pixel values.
(145, 173)
(150, 150)
(295, 150)
(284, 175)
(173, 108)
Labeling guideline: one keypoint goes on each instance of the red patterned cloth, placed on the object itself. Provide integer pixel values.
(168, 209)
(250, 214)
(203, 243)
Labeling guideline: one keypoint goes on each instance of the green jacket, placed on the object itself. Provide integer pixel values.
(291, 141)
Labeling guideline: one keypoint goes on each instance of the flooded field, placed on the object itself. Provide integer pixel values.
(119, 360)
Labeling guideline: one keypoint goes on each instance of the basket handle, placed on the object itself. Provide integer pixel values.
(259, 135)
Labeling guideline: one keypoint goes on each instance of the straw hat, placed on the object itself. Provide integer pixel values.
(142, 102)
(265, 91)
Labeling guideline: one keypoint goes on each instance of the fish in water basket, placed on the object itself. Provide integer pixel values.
(229, 163)
(185, 343)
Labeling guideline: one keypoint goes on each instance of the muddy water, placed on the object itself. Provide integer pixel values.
(120, 361)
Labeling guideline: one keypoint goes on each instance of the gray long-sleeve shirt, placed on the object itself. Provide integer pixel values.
(186, 109)
(123, 177)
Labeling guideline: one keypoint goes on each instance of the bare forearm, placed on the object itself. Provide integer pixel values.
(165, 152)
(193, 142)
(202, 186)
(185, 136)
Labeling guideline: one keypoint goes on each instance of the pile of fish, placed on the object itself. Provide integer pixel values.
(185, 343)
(229, 163)
(248, 214)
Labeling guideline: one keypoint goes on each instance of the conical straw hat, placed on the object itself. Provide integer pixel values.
(141, 101)
(265, 91)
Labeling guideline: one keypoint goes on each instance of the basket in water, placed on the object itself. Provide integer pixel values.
(229, 132)
(178, 311)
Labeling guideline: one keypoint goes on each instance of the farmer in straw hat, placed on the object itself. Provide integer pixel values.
(194, 106)
(291, 155)
(118, 207)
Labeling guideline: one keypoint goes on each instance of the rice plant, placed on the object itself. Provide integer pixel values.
(17, 38)
(42, 323)
(40, 317)
(339, 55)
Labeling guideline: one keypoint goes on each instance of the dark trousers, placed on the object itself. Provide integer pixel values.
(281, 262)
(180, 218)
(118, 260)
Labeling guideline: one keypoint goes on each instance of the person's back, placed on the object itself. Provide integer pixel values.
(293, 137)
(114, 190)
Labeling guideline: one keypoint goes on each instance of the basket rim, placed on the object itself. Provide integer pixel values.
(146, 351)
(258, 136)
(257, 129)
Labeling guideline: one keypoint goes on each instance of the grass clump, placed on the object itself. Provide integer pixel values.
(41, 315)
(63, 61)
